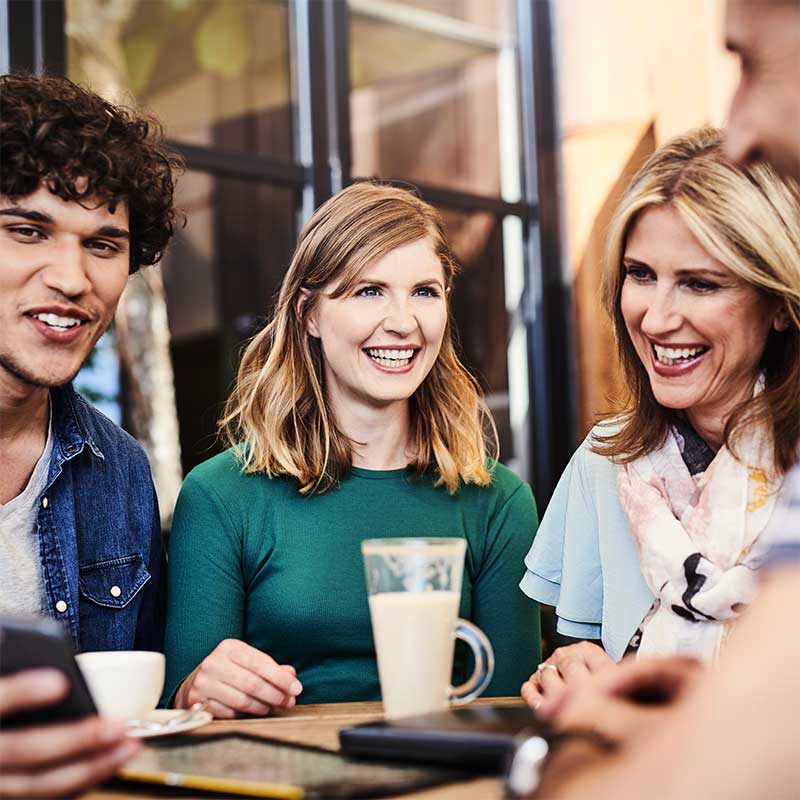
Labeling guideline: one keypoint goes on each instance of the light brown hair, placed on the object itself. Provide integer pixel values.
(749, 220)
(277, 418)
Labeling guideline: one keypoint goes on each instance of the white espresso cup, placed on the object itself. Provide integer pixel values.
(123, 683)
(414, 590)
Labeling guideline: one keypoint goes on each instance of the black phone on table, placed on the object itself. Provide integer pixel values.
(29, 643)
(483, 737)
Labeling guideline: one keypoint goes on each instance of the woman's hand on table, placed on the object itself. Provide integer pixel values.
(236, 679)
(567, 666)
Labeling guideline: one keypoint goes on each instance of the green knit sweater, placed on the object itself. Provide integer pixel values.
(252, 559)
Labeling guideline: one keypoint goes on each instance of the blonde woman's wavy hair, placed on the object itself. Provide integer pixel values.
(749, 220)
(277, 418)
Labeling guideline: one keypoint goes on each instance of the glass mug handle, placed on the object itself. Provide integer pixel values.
(484, 663)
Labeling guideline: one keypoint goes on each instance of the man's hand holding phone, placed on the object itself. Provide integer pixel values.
(52, 742)
(59, 759)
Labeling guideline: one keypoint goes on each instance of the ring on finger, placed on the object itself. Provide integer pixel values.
(544, 665)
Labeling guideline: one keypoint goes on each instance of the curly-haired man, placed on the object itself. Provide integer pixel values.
(86, 198)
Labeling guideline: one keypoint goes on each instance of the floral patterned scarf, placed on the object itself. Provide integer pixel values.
(697, 527)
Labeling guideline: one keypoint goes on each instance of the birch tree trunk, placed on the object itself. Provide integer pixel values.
(143, 342)
(141, 320)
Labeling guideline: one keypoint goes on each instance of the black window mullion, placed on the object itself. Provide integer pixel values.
(546, 296)
(312, 107)
(241, 165)
(466, 201)
(337, 69)
(36, 38)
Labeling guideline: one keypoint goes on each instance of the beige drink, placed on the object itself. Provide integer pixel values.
(414, 588)
(414, 636)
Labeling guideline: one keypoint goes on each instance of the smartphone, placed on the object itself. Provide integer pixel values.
(483, 737)
(27, 643)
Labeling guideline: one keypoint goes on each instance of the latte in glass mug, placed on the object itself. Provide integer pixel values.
(414, 590)
(414, 641)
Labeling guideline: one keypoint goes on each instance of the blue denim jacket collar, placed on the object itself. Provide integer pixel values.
(69, 430)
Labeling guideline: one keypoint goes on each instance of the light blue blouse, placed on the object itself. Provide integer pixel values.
(584, 561)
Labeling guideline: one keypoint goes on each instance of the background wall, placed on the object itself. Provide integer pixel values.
(631, 76)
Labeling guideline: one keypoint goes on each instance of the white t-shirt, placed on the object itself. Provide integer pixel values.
(21, 583)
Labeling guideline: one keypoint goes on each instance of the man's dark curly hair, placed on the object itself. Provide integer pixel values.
(55, 131)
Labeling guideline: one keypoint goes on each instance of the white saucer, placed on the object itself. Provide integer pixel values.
(199, 719)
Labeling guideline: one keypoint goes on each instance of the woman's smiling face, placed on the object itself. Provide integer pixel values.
(382, 337)
(698, 328)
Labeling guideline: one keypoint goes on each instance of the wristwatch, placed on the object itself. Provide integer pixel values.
(524, 773)
(525, 768)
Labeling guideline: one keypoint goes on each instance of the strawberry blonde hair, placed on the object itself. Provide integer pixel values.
(277, 418)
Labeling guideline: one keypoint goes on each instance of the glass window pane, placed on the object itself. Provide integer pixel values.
(479, 307)
(99, 379)
(221, 275)
(493, 15)
(433, 94)
(215, 72)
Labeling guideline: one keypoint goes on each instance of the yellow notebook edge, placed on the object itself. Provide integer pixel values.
(277, 791)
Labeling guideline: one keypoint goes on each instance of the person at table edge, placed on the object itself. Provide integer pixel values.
(653, 536)
(86, 199)
(352, 418)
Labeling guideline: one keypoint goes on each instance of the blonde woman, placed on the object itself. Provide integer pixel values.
(654, 532)
(352, 418)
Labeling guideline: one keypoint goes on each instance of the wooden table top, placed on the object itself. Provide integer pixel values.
(320, 725)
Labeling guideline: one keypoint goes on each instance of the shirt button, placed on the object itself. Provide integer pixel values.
(61, 606)
(116, 591)
(44, 502)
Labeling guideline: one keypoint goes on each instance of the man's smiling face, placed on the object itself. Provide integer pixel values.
(63, 267)
(764, 117)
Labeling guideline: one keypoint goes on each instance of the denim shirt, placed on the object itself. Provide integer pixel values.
(99, 532)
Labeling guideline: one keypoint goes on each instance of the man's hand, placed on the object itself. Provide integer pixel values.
(616, 702)
(236, 679)
(568, 666)
(631, 704)
(55, 760)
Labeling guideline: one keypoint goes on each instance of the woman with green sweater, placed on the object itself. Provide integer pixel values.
(352, 418)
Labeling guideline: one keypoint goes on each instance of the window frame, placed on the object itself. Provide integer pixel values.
(33, 39)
